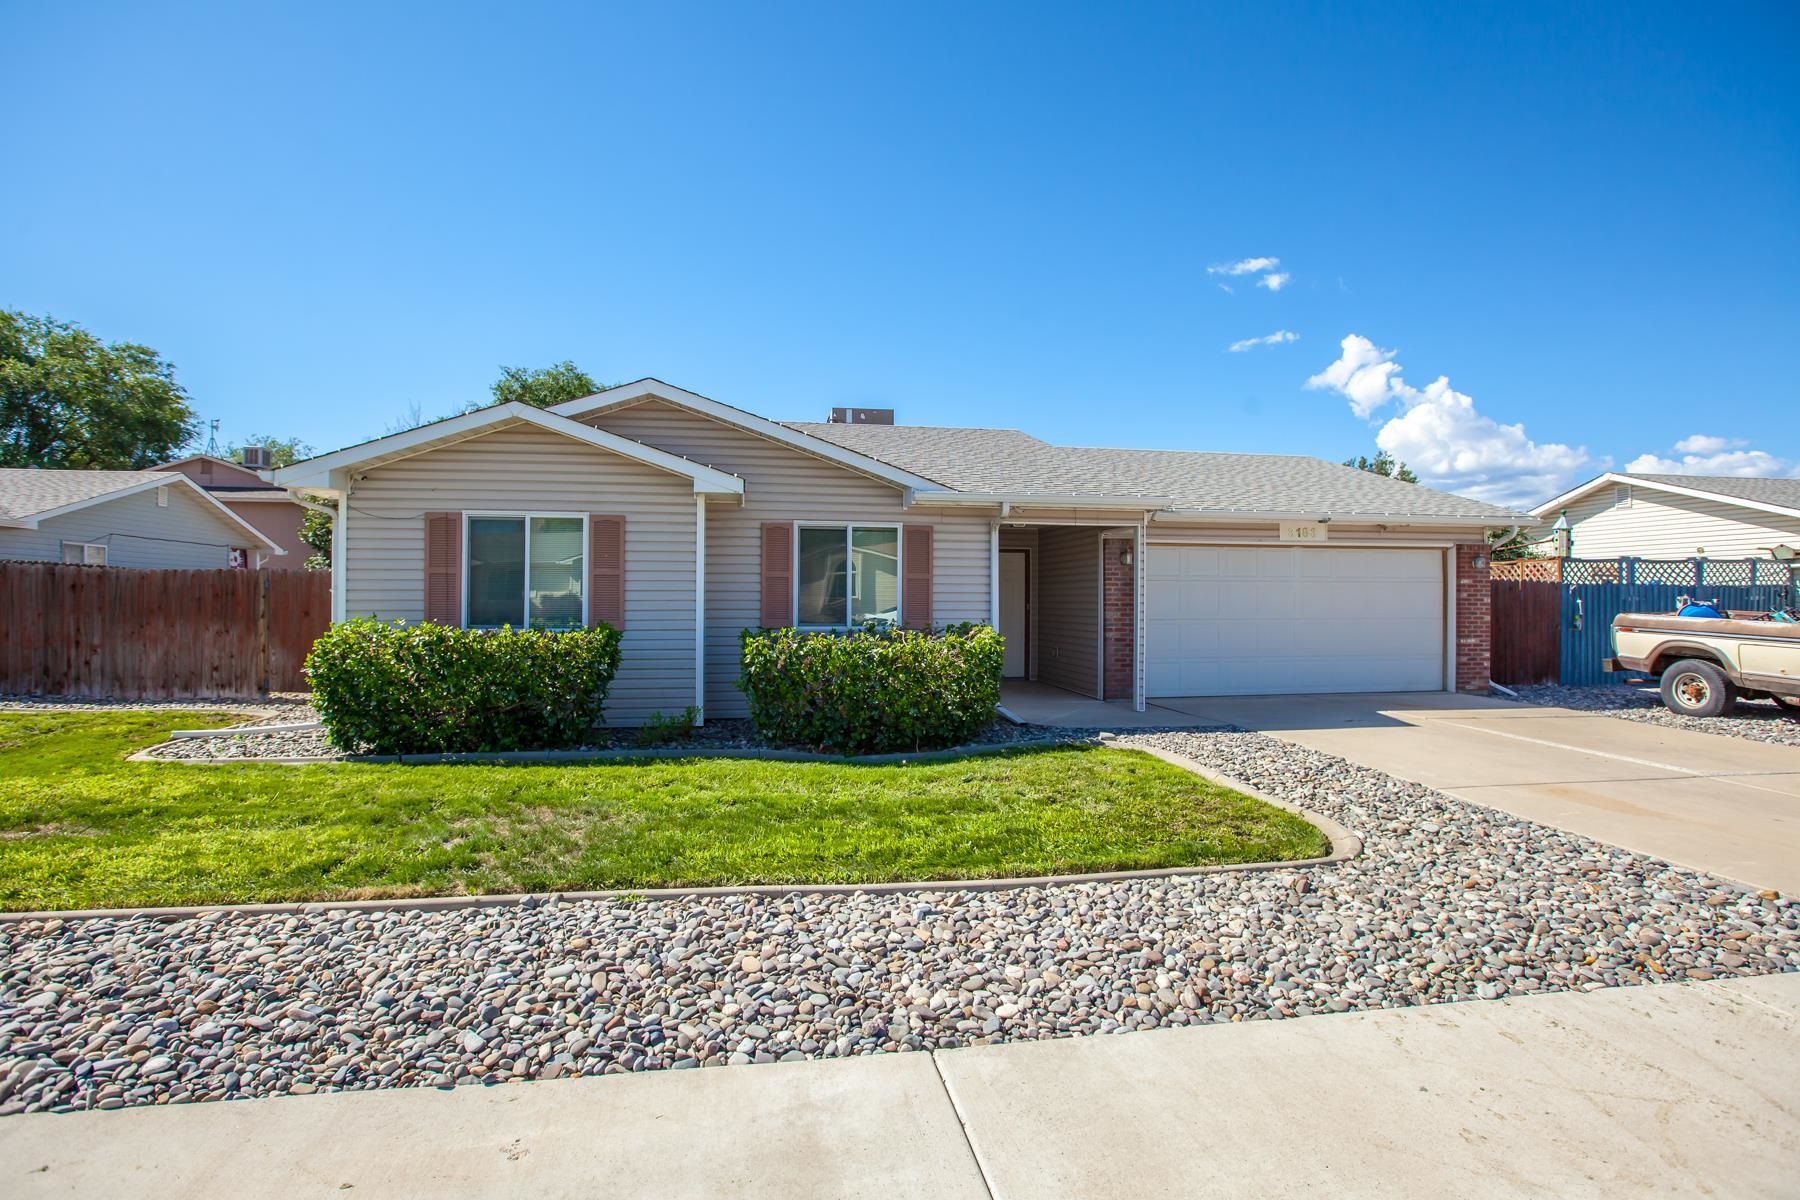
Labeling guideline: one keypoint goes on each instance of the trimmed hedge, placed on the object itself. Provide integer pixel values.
(421, 689)
(872, 691)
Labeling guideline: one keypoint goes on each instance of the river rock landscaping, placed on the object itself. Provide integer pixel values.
(1755, 720)
(1449, 901)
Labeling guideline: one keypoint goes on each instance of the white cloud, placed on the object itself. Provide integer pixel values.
(1274, 282)
(1703, 454)
(1273, 339)
(1245, 266)
(1439, 433)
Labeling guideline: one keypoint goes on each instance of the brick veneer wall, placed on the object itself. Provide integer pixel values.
(1473, 620)
(1119, 619)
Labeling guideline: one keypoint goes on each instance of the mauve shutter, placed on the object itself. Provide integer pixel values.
(606, 570)
(915, 592)
(777, 575)
(443, 568)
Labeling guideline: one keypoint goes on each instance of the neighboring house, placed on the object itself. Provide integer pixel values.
(123, 519)
(252, 498)
(1113, 573)
(1678, 516)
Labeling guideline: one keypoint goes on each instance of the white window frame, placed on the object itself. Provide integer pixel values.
(850, 528)
(587, 547)
(87, 554)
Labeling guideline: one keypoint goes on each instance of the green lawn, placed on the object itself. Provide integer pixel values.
(81, 828)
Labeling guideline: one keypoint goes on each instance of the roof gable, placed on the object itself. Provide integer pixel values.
(655, 389)
(1762, 494)
(29, 497)
(320, 474)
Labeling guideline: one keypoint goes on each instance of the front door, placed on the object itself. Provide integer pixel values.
(1015, 578)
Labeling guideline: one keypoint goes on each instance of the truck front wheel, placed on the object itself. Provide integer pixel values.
(1697, 688)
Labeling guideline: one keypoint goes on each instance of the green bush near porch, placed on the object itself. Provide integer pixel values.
(389, 688)
(872, 691)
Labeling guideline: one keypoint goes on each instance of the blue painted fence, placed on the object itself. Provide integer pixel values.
(1594, 591)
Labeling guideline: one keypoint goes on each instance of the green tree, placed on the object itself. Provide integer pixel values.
(315, 531)
(1516, 547)
(284, 452)
(1383, 464)
(67, 399)
(545, 387)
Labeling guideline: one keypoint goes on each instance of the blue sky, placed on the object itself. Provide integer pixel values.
(323, 215)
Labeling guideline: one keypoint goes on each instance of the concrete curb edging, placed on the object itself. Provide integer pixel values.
(625, 753)
(1345, 845)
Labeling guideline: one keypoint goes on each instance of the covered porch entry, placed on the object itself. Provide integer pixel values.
(1069, 604)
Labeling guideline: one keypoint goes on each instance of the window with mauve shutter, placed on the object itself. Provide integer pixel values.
(777, 575)
(915, 562)
(606, 570)
(443, 568)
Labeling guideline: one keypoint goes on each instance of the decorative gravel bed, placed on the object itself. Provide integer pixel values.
(276, 706)
(1448, 902)
(714, 735)
(1757, 720)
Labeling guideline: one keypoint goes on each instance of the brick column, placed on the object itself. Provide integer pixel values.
(1473, 619)
(1118, 619)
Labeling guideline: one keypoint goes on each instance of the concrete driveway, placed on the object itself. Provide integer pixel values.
(1719, 804)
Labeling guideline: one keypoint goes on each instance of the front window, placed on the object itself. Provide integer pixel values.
(848, 575)
(526, 571)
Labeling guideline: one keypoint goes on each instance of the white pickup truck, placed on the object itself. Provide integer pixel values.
(1706, 663)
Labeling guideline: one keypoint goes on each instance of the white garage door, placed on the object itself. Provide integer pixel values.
(1269, 620)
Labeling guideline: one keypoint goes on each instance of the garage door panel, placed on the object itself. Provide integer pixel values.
(1268, 620)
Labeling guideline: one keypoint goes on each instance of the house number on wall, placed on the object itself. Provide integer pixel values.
(1302, 531)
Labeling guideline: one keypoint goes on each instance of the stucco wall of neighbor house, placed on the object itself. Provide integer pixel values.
(785, 484)
(207, 473)
(1654, 524)
(1068, 610)
(280, 521)
(187, 534)
(533, 470)
(1026, 538)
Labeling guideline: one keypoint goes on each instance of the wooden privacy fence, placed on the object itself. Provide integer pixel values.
(117, 633)
(1552, 617)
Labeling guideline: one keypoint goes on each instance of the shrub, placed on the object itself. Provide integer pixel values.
(419, 689)
(872, 691)
(661, 728)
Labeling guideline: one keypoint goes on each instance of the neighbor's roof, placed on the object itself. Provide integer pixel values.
(1769, 495)
(1011, 462)
(29, 495)
(28, 491)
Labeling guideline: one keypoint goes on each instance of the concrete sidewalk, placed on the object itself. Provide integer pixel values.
(1671, 1090)
(1726, 805)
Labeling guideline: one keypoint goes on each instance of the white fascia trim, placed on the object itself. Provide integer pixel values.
(271, 496)
(314, 474)
(175, 464)
(1616, 477)
(1211, 515)
(775, 431)
(173, 479)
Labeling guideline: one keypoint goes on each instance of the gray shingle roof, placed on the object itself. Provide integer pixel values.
(25, 492)
(1785, 492)
(1008, 461)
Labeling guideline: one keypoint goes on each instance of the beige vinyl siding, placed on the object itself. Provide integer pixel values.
(1068, 609)
(785, 484)
(188, 534)
(531, 470)
(1662, 525)
(1026, 538)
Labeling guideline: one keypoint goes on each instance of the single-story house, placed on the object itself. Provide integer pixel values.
(1678, 516)
(123, 519)
(251, 497)
(1116, 574)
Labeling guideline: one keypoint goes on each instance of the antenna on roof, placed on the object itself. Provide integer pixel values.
(212, 438)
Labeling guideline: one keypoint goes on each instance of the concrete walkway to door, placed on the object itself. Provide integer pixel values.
(1721, 804)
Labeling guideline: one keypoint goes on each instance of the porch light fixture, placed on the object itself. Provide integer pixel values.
(1125, 554)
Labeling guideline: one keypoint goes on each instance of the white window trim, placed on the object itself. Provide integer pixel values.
(87, 554)
(850, 528)
(525, 595)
